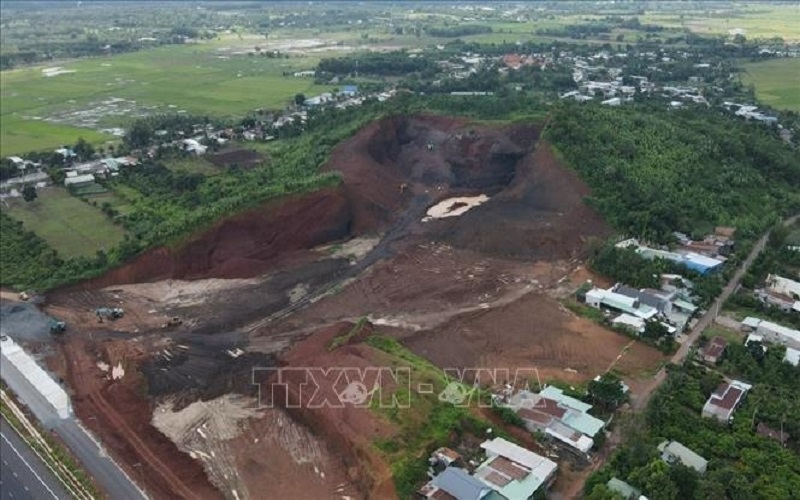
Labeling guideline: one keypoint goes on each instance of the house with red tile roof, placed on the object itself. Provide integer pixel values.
(725, 399)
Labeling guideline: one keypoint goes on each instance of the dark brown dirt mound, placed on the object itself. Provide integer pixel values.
(542, 214)
(394, 163)
(240, 157)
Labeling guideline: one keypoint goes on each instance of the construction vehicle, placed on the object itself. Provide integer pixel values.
(23, 296)
(173, 322)
(108, 313)
(58, 326)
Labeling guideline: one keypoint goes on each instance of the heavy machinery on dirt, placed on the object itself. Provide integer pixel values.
(58, 326)
(111, 313)
(172, 322)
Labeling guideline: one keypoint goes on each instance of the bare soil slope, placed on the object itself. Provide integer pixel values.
(469, 290)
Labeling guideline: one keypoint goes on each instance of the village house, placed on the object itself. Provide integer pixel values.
(714, 350)
(609, 299)
(689, 259)
(509, 472)
(194, 147)
(792, 356)
(513, 471)
(620, 487)
(773, 332)
(673, 452)
(455, 483)
(446, 456)
(75, 180)
(724, 400)
(779, 292)
(557, 415)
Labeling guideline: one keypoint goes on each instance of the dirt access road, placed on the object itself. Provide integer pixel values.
(639, 401)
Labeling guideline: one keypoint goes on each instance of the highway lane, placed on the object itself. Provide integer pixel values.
(23, 475)
(92, 456)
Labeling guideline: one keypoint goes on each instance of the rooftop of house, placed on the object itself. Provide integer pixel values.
(553, 392)
(448, 453)
(780, 330)
(715, 348)
(513, 471)
(458, 483)
(643, 296)
(570, 436)
(792, 356)
(540, 466)
(684, 454)
(727, 396)
(623, 488)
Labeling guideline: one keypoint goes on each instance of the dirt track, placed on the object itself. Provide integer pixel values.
(471, 290)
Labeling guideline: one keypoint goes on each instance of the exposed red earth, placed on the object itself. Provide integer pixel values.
(273, 285)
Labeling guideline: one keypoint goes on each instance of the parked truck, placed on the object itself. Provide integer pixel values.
(111, 313)
(58, 326)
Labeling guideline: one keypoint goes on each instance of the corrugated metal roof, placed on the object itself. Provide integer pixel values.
(685, 455)
(54, 394)
(460, 484)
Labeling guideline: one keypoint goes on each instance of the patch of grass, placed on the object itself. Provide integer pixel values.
(192, 165)
(585, 311)
(426, 424)
(764, 20)
(90, 189)
(345, 338)
(19, 135)
(776, 82)
(732, 336)
(70, 226)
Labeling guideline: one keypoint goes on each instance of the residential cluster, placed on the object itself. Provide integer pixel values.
(671, 306)
(705, 256)
(86, 173)
(556, 415)
(507, 471)
(782, 293)
(767, 332)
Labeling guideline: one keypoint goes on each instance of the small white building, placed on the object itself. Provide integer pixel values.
(193, 146)
(773, 332)
(76, 179)
(792, 356)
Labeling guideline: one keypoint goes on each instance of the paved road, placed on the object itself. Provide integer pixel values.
(92, 456)
(23, 475)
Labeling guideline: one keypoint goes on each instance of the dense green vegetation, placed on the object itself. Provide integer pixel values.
(653, 171)
(742, 464)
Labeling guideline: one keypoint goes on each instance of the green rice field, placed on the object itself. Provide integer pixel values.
(215, 79)
(777, 82)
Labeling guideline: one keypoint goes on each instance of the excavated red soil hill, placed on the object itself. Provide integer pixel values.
(349, 431)
(244, 245)
(393, 170)
(541, 215)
